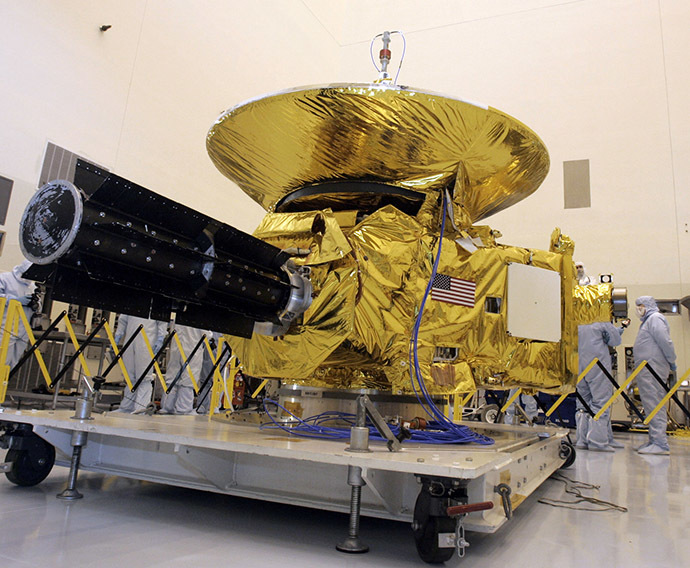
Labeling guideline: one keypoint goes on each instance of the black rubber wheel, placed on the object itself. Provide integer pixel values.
(568, 453)
(490, 414)
(426, 529)
(31, 466)
(427, 542)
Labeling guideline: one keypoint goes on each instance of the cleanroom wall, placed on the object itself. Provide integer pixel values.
(602, 81)
(139, 98)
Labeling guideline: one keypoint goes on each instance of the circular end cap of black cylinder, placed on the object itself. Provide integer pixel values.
(50, 222)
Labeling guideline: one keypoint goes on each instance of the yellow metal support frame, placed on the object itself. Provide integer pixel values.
(581, 376)
(220, 386)
(511, 400)
(623, 386)
(15, 316)
(113, 344)
(668, 396)
(156, 367)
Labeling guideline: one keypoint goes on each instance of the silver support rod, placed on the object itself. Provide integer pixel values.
(352, 544)
(82, 412)
(71, 493)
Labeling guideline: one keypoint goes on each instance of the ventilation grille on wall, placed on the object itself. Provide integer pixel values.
(576, 188)
(59, 163)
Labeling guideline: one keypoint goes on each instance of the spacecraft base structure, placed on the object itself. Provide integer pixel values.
(240, 459)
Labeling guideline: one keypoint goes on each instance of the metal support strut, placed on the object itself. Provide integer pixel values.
(352, 544)
(616, 386)
(70, 493)
(82, 412)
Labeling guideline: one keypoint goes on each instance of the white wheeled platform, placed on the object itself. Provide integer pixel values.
(244, 460)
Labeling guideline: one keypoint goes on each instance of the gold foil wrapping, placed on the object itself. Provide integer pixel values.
(369, 280)
(404, 137)
(371, 262)
(592, 303)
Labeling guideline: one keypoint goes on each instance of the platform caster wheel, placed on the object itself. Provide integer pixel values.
(31, 466)
(426, 540)
(568, 453)
(490, 414)
(427, 528)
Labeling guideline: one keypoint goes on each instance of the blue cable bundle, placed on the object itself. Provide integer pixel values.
(428, 404)
(440, 430)
(313, 427)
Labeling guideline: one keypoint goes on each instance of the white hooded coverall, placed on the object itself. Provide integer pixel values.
(14, 287)
(653, 344)
(596, 389)
(180, 400)
(137, 358)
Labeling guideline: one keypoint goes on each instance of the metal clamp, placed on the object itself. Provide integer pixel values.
(460, 543)
(459, 512)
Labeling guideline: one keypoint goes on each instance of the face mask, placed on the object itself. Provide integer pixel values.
(641, 310)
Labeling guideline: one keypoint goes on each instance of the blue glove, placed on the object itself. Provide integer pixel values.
(673, 367)
(25, 300)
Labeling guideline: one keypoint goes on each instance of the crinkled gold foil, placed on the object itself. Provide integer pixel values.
(297, 354)
(317, 231)
(592, 303)
(420, 141)
(371, 262)
(561, 243)
(357, 332)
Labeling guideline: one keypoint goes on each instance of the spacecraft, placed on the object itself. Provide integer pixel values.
(370, 273)
(373, 195)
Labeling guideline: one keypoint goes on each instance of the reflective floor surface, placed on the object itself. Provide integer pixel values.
(126, 523)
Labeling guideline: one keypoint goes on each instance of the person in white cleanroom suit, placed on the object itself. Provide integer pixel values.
(204, 396)
(14, 287)
(581, 275)
(180, 400)
(594, 340)
(137, 358)
(653, 344)
(529, 404)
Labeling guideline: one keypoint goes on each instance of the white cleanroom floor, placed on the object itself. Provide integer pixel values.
(121, 522)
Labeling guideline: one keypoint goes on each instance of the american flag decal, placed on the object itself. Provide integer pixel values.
(453, 290)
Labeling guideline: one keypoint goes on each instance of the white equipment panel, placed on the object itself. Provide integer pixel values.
(534, 303)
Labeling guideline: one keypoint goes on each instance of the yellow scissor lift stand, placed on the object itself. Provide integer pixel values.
(15, 316)
(620, 390)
